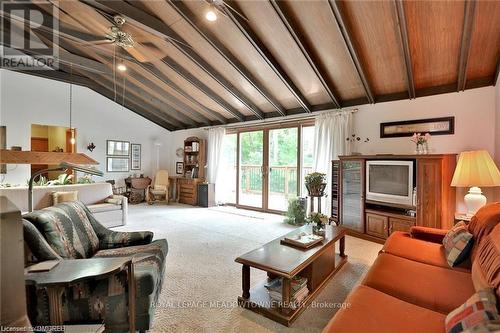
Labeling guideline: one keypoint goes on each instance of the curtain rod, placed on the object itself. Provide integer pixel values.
(276, 120)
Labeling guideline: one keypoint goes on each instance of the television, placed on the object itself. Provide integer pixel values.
(390, 182)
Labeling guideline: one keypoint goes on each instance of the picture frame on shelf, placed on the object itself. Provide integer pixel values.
(406, 128)
(135, 151)
(117, 164)
(179, 168)
(117, 148)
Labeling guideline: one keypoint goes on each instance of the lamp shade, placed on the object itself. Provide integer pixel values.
(476, 168)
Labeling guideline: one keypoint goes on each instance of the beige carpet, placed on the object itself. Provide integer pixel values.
(202, 280)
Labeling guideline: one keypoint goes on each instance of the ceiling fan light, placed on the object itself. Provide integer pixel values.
(210, 15)
(121, 67)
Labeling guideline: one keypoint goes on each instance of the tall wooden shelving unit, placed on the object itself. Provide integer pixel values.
(363, 218)
(194, 170)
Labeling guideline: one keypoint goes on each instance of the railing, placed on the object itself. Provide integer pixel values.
(282, 179)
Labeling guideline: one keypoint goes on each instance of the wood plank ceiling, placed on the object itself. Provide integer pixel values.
(272, 58)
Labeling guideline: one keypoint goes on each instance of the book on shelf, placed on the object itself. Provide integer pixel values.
(298, 292)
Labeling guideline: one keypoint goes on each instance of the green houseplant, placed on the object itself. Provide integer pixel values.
(315, 183)
(296, 213)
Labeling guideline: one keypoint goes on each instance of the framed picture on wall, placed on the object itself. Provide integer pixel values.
(434, 126)
(135, 149)
(179, 168)
(117, 164)
(117, 148)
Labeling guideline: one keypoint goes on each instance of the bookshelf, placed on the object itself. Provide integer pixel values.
(194, 170)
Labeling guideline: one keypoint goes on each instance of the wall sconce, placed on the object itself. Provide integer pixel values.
(91, 147)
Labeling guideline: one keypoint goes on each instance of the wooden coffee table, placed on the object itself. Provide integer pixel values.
(318, 264)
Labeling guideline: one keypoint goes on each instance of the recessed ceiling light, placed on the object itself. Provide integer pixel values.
(121, 67)
(211, 15)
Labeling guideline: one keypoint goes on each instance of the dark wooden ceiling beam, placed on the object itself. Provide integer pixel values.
(98, 88)
(157, 27)
(314, 62)
(101, 67)
(469, 11)
(264, 52)
(149, 68)
(349, 45)
(184, 73)
(405, 46)
(210, 38)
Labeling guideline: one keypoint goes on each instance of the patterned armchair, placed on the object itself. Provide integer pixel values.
(69, 231)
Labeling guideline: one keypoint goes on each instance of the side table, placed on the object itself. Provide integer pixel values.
(71, 271)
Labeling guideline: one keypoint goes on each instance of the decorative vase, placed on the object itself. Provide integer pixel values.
(316, 190)
(318, 229)
(418, 149)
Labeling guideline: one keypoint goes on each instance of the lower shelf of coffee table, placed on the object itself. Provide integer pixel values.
(260, 301)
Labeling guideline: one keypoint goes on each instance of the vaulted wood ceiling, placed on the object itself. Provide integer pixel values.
(286, 57)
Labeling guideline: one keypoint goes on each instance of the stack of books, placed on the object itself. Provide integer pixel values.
(298, 293)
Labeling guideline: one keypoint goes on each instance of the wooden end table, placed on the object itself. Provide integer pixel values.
(318, 264)
(71, 271)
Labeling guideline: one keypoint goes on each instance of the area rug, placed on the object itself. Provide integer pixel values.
(202, 280)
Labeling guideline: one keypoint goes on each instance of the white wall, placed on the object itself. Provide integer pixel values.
(27, 100)
(474, 112)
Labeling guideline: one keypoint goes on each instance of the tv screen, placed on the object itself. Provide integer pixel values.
(389, 179)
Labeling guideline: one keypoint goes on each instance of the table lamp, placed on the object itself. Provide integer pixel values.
(475, 169)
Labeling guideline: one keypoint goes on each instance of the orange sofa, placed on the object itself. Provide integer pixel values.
(411, 287)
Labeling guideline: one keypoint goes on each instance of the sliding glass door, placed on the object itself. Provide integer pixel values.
(283, 166)
(251, 167)
(264, 168)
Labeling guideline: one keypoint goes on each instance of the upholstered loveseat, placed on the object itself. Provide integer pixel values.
(70, 231)
(95, 196)
(411, 287)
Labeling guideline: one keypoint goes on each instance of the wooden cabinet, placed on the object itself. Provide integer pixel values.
(335, 191)
(188, 190)
(377, 225)
(435, 197)
(374, 220)
(400, 224)
(352, 189)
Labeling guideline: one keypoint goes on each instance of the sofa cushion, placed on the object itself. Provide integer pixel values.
(483, 222)
(67, 229)
(371, 311)
(103, 207)
(457, 244)
(488, 259)
(436, 288)
(475, 315)
(59, 196)
(148, 264)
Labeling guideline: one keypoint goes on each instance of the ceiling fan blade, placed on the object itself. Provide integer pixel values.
(136, 54)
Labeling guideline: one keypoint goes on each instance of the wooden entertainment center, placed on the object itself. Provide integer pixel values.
(375, 220)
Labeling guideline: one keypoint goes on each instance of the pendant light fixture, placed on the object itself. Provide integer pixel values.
(72, 140)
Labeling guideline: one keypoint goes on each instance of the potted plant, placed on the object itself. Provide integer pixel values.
(318, 221)
(296, 213)
(315, 184)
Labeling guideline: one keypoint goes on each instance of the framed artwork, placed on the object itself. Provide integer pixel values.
(434, 126)
(117, 148)
(135, 149)
(179, 168)
(117, 164)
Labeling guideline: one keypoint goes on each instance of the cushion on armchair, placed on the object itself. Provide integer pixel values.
(457, 244)
(67, 229)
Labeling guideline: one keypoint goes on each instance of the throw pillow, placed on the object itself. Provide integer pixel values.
(58, 197)
(477, 314)
(457, 244)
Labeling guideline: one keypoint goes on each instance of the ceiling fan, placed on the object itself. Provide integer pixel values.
(117, 36)
(217, 6)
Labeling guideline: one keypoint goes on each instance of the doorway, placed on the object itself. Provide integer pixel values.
(265, 167)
